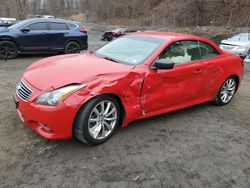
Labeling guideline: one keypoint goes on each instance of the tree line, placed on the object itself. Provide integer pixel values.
(142, 12)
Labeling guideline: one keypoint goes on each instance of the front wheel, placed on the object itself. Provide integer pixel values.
(226, 92)
(97, 121)
(8, 50)
(72, 47)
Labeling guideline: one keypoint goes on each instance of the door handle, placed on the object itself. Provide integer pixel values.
(44, 33)
(197, 71)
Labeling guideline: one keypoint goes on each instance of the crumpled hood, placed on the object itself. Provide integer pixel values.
(236, 43)
(58, 71)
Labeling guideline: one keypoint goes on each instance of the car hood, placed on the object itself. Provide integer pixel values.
(236, 43)
(58, 71)
(3, 29)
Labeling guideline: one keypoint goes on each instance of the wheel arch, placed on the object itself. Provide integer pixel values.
(237, 78)
(122, 108)
(10, 40)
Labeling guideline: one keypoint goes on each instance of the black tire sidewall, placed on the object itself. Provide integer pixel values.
(68, 44)
(83, 116)
(15, 49)
(110, 37)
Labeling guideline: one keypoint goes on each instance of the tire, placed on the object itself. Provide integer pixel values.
(226, 92)
(110, 37)
(8, 50)
(72, 47)
(90, 128)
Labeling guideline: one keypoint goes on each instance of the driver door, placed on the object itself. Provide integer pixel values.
(170, 89)
(36, 39)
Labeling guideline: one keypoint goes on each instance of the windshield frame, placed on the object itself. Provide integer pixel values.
(20, 25)
(160, 43)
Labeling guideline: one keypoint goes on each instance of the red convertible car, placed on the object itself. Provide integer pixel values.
(136, 76)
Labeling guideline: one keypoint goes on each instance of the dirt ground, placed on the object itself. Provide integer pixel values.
(201, 146)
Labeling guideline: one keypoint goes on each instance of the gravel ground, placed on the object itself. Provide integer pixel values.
(201, 146)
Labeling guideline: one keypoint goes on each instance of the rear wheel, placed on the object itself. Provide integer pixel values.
(72, 47)
(8, 50)
(110, 37)
(97, 121)
(226, 92)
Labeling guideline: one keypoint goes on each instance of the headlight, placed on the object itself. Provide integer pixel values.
(241, 48)
(54, 97)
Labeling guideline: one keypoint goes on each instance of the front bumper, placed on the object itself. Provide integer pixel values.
(51, 122)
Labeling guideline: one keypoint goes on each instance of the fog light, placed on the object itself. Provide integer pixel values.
(45, 127)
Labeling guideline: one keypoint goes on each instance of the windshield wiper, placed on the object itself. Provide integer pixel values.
(110, 59)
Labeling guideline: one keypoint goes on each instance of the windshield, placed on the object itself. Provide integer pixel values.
(18, 25)
(240, 37)
(131, 50)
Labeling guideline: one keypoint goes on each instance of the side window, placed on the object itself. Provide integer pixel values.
(38, 26)
(58, 26)
(207, 51)
(182, 52)
(71, 26)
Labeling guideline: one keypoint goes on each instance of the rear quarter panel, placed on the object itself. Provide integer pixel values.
(229, 65)
(76, 35)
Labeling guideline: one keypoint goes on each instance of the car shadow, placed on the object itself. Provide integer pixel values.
(154, 120)
(146, 124)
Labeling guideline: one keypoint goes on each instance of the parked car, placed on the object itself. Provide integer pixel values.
(48, 16)
(42, 35)
(238, 44)
(110, 35)
(6, 22)
(133, 77)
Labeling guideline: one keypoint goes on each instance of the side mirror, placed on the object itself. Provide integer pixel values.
(25, 30)
(164, 64)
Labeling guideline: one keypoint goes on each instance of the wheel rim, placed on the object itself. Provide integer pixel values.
(73, 48)
(7, 50)
(102, 120)
(228, 90)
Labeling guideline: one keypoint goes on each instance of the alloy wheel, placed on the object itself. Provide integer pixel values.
(102, 120)
(228, 90)
(7, 50)
(73, 48)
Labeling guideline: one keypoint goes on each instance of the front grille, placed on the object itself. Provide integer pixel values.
(23, 91)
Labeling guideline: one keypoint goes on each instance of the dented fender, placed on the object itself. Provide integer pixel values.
(126, 86)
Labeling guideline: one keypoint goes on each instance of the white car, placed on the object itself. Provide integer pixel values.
(238, 44)
(48, 16)
(7, 19)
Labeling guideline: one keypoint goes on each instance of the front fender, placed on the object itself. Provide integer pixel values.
(9, 38)
(127, 88)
